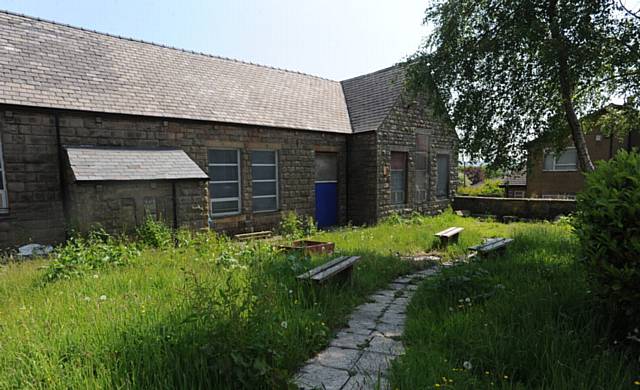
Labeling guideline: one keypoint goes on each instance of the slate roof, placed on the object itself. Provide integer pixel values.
(517, 179)
(47, 64)
(97, 164)
(370, 97)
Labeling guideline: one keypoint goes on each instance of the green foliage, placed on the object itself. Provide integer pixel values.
(80, 255)
(295, 227)
(523, 320)
(155, 234)
(494, 68)
(490, 187)
(607, 224)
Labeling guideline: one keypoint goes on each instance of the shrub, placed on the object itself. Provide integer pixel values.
(490, 187)
(607, 224)
(155, 234)
(294, 227)
(80, 255)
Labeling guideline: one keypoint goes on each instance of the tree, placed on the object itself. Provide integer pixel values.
(506, 72)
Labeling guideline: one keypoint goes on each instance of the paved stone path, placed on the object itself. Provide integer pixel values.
(360, 354)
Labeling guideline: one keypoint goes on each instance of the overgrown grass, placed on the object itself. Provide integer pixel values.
(522, 321)
(216, 314)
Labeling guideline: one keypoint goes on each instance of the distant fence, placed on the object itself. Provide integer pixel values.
(532, 208)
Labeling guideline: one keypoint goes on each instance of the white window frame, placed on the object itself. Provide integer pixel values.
(555, 161)
(237, 198)
(4, 204)
(277, 195)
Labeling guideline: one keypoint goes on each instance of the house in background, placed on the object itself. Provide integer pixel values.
(103, 130)
(553, 175)
(515, 185)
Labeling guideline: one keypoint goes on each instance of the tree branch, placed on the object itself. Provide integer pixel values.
(627, 10)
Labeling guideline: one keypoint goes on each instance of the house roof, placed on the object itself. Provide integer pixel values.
(47, 64)
(516, 180)
(370, 97)
(98, 164)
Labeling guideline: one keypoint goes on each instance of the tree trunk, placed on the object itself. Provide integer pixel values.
(566, 89)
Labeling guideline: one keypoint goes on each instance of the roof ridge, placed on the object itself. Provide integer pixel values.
(396, 65)
(161, 45)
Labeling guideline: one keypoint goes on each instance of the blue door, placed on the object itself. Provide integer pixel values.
(326, 189)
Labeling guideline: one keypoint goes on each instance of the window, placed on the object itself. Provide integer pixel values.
(326, 165)
(4, 199)
(264, 174)
(565, 161)
(517, 194)
(398, 178)
(442, 187)
(224, 181)
(422, 142)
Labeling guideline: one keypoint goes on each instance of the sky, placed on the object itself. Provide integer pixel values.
(335, 39)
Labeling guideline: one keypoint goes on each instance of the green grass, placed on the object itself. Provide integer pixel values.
(215, 314)
(522, 321)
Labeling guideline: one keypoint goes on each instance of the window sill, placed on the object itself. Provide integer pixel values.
(266, 212)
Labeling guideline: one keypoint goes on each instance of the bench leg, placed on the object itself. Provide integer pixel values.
(444, 242)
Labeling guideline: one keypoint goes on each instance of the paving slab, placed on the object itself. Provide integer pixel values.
(315, 376)
(390, 330)
(361, 325)
(340, 358)
(373, 364)
(390, 317)
(386, 345)
(350, 340)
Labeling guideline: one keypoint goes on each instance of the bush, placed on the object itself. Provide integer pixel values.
(607, 224)
(295, 227)
(155, 234)
(80, 255)
(490, 187)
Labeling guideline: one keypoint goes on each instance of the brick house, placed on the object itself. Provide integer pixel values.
(103, 130)
(558, 175)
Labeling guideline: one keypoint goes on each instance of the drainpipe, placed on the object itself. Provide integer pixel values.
(61, 174)
(175, 213)
(175, 205)
(346, 178)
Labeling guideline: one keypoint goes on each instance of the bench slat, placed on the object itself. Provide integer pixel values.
(321, 268)
(248, 236)
(491, 244)
(449, 232)
(335, 269)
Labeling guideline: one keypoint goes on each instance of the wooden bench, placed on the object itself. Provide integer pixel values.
(341, 266)
(449, 235)
(491, 245)
(253, 236)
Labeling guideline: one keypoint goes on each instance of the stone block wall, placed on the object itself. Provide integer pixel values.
(121, 206)
(519, 207)
(33, 181)
(31, 157)
(362, 178)
(397, 133)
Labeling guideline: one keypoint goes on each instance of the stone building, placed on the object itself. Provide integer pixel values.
(103, 130)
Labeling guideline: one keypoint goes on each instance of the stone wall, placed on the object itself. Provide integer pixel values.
(523, 207)
(362, 178)
(397, 133)
(121, 206)
(31, 157)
